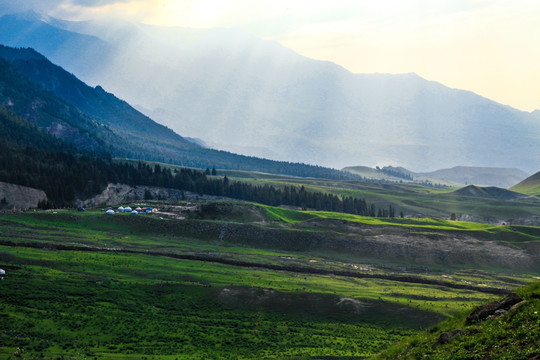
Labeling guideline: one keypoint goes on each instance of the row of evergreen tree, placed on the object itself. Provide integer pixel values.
(34, 158)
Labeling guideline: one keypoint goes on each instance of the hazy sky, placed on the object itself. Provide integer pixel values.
(491, 47)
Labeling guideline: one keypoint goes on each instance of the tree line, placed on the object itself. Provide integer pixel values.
(32, 157)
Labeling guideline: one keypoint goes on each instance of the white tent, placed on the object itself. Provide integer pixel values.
(109, 212)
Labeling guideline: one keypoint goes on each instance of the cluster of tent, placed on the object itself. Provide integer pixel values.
(127, 209)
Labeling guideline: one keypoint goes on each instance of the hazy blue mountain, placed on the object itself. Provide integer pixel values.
(499, 177)
(54, 100)
(466, 175)
(239, 92)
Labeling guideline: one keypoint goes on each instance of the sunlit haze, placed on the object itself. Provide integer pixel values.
(489, 47)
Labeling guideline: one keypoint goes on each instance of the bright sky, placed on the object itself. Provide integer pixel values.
(491, 47)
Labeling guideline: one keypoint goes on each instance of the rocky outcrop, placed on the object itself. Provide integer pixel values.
(495, 308)
(446, 337)
(17, 197)
(122, 193)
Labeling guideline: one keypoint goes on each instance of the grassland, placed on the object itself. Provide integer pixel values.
(513, 335)
(86, 285)
(413, 200)
(529, 186)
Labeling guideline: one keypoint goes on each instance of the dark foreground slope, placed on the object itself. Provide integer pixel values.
(505, 329)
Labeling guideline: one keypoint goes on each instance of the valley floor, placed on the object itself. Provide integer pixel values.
(87, 285)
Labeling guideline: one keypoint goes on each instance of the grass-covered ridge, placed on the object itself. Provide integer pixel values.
(529, 186)
(515, 334)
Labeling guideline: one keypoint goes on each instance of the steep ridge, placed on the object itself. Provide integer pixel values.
(96, 102)
(48, 112)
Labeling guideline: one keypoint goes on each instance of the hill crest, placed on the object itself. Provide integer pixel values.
(529, 186)
(491, 192)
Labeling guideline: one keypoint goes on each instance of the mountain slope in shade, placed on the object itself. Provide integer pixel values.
(233, 89)
(95, 102)
(529, 186)
(111, 124)
(48, 112)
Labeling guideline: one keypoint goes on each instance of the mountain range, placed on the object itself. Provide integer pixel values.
(456, 176)
(97, 121)
(237, 92)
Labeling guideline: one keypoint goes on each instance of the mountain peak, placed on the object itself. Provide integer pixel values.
(29, 15)
(12, 54)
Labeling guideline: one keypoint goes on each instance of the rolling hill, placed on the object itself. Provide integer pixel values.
(490, 192)
(529, 186)
(239, 92)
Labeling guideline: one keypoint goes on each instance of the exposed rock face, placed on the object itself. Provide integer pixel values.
(19, 197)
(496, 308)
(121, 193)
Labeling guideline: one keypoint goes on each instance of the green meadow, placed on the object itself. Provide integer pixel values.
(83, 285)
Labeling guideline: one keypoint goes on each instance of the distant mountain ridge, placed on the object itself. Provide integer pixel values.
(229, 88)
(499, 177)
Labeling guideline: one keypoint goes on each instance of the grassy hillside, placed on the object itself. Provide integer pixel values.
(221, 280)
(414, 200)
(529, 186)
(490, 192)
(512, 335)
